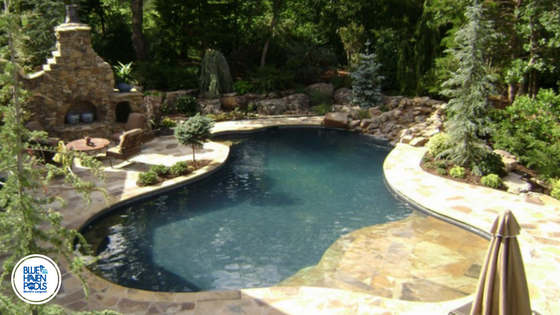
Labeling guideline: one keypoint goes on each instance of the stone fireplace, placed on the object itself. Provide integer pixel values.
(76, 81)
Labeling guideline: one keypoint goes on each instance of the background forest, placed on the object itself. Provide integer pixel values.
(278, 44)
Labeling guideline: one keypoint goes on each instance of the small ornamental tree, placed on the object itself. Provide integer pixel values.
(215, 77)
(366, 81)
(468, 89)
(194, 131)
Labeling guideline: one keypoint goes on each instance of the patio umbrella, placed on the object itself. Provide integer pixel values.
(502, 287)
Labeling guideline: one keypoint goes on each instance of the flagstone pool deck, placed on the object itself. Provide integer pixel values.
(472, 205)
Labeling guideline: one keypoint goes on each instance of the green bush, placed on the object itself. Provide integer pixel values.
(555, 193)
(147, 178)
(242, 87)
(530, 129)
(366, 81)
(442, 171)
(441, 164)
(159, 169)
(186, 105)
(195, 131)
(269, 78)
(491, 180)
(307, 62)
(491, 164)
(215, 77)
(179, 168)
(425, 159)
(168, 122)
(438, 144)
(429, 166)
(457, 172)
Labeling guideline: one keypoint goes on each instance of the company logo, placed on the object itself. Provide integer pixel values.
(36, 279)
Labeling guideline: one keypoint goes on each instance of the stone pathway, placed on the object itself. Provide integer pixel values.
(419, 259)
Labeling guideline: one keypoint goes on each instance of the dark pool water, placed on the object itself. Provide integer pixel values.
(283, 197)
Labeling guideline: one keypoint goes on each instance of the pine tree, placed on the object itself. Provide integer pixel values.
(468, 89)
(366, 81)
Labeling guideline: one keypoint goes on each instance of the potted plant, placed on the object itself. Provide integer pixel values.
(123, 77)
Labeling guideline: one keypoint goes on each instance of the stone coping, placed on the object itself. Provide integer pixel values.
(403, 174)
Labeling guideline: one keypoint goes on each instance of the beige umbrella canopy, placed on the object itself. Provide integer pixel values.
(502, 287)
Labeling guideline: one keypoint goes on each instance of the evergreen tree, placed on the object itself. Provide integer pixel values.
(366, 81)
(215, 77)
(28, 224)
(468, 89)
(194, 131)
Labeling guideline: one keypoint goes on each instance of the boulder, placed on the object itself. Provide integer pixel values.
(418, 142)
(510, 160)
(343, 96)
(336, 120)
(323, 88)
(253, 97)
(271, 107)
(231, 101)
(365, 123)
(515, 184)
(297, 103)
(210, 106)
(374, 111)
(387, 127)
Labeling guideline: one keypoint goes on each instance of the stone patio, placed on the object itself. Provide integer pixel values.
(366, 272)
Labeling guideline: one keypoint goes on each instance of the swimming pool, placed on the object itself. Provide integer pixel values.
(283, 197)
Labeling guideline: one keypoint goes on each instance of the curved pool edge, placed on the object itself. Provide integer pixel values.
(477, 207)
(288, 300)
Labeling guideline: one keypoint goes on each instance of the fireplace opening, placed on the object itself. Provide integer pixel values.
(81, 111)
(122, 111)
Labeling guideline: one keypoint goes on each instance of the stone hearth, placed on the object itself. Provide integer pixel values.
(75, 81)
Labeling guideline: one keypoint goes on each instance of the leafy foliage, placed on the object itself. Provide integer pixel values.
(457, 172)
(491, 163)
(438, 144)
(530, 129)
(270, 78)
(491, 180)
(159, 169)
(123, 73)
(194, 131)
(186, 105)
(147, 178)
(366, 82)
(215, 78)
(242, 87)
(179, 168)
(468, 88)
(555, 193)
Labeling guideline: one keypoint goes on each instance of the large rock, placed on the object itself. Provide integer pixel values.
(171, 97)
(323, 88)
(232, 101)
(343, 96)
(253, 97)
(510, 160)
(297, 103)
(210, 106)
(271, 107)
(515, 184)
(336, 120)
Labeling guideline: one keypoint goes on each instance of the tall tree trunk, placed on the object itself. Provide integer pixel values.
(275, 10)
(138, 39)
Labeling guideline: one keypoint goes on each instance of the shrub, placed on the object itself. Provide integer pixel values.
(491, 180)
(491, 163)
(186, 105)
(159, 169)
(429, 166)
(366, 82)
(457, 172)
(242, 87)
(308, 61)
(442, 171)
(530, 129)
(441, 164)
(269, 79)
(147, 178)
(555, 193)
(179, 168)
(168, 122)
(438, 144)
(425, 159)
